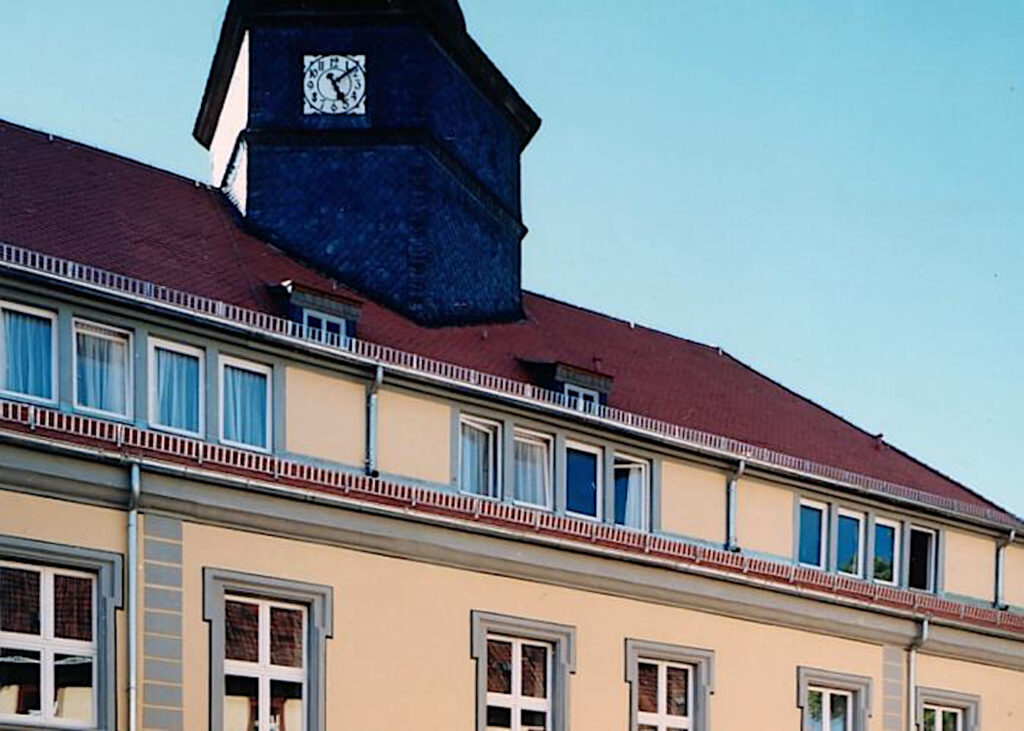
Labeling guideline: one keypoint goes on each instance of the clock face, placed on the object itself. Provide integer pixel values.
(334, 84)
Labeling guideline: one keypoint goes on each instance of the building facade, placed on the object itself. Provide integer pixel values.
(293, 451)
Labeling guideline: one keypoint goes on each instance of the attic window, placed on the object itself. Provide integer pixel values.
(580, 398)
(324, 327)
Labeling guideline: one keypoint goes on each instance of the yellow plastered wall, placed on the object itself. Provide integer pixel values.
(764, 517)
(1002, 702)
(325, 416)
(414, 436)
(1013, 582)
(970, 564)
(81, 526)
(405, 625)
(693, 501)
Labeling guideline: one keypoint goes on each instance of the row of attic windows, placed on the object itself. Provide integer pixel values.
(830, 538)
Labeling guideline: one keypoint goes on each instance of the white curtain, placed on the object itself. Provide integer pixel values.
(101, 373)
(475, 469)
(245, 407)
(629, 498)
(531, 472)
(28, 353)
(177, 390)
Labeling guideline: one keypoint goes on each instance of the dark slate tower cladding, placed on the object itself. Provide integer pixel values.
(376, 141)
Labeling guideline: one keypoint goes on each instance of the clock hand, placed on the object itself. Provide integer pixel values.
(334, 82)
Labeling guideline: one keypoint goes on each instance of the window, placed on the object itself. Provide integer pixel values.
(670, 686)
(533, 468)
(828, 710)
(29, 342)
(850, 543)
(103, 369)
(887, 551)
(812, 534)
(518, 684)
(632, 492)
(921, 562)
(943, 710)
(937, 718)
(583, 472)
(479, 461)
(245, 404)
(323, 327)
(177, 386)
(583, 399)
(833, 701)
(57, 634)
(267, 649)
(264, 664)
(523, 667)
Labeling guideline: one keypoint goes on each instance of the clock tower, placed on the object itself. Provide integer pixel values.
(376, 141)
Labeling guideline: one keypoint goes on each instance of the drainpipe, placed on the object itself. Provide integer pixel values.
(371, 422)
(1001, 567)
(730, 506)
(133, 598)
(920, 639)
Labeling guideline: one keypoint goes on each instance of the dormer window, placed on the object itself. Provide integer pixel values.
(580, 398)
(324, 327)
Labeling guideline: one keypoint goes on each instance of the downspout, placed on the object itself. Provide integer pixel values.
(371, 422)
(920, 639)
(730, 506)
(1001, 547)
(133, 598)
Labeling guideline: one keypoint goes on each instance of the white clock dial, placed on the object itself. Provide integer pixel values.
(334, 84)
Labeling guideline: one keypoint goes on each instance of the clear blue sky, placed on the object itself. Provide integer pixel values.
(831, 191)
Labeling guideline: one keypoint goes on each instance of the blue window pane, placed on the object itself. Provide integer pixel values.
(581, 482)
(848, 545)
(177, 390)
(811, 520)
(245, 407)
(885, 552)
(28, 354)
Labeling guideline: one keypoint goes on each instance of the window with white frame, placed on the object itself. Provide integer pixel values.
(584, 472)
(664, 696)
(324, 327)
(518, 684)
(632, 492)
(583, 399)
(670, 686)
(103, 368)
(943, 710)
(479, 456)
(850, 543)
(829, 710)
(887, 551)
(532, 471)
(245, 404)
(939, 718)
(264, 665)
(812, 545)
(48, 647)
(921, 560)
(177, 386)
(29, 343)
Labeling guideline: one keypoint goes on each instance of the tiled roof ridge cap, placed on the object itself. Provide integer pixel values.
(18, 258)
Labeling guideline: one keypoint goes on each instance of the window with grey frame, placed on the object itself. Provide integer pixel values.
(943, 710)
(522, 676)
(670, 686)
(480, 456)
(832, 701)
(267, 650)
(57, 606)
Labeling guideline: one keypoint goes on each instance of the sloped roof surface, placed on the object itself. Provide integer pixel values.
(73, 201)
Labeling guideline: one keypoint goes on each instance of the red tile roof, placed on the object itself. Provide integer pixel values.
(84, 204)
